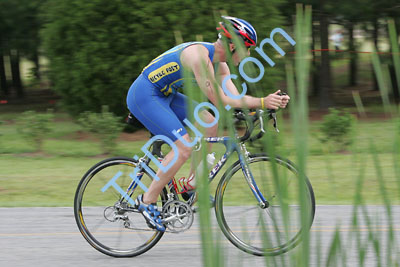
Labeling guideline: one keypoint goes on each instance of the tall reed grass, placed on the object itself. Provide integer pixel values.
(369, 235)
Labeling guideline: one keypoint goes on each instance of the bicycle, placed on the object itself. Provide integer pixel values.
(256, 201)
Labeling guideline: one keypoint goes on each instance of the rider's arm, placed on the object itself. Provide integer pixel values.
(196, 58)
(223, 71)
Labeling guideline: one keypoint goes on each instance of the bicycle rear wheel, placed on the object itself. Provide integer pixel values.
(110, 223)
(270, 230)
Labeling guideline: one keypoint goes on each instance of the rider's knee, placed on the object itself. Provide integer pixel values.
(185, 152)
(210, 119)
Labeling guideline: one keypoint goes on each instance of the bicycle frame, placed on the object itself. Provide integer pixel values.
(230, 148)
(243, 154)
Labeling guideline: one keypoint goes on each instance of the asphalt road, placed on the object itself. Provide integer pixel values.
(49, 237)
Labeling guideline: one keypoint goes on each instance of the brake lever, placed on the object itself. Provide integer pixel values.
(261, 119)
(273, 115)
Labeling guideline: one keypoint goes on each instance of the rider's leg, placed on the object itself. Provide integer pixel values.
(156, 187)
(180, 108)
(154, 110)
(208, 118)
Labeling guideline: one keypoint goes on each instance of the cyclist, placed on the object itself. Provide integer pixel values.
(153, 98)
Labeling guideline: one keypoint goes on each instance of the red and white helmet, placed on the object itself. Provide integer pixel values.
(241, 27)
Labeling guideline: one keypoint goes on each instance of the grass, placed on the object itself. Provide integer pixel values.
(334, 178)
(49, 178)
(40, 181)
(68, 139)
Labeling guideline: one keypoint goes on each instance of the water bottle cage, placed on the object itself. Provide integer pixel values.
(185, 185)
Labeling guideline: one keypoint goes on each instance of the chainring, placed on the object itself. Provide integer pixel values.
(178, 216)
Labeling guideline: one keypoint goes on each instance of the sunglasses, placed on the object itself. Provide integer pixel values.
(234, 50)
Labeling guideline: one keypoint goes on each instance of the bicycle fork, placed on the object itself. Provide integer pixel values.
(244, 158)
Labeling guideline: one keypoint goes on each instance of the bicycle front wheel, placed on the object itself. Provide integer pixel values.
(107, 220)
(269, 229)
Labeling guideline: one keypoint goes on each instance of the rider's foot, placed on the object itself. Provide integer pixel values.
(150, 213)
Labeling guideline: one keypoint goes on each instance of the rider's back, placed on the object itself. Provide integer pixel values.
(165, 72)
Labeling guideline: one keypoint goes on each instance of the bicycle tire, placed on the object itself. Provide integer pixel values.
(93, 211)
(236, 206)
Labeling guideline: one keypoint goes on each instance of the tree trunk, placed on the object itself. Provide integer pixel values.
(325, 100)
(353, 56)
(375, 36)
(3, 78)
(15, 72)
(315, 65)
(36, 70)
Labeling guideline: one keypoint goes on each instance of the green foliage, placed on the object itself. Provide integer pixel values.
(34, 126)
(19, 26)
(337, 128)
(105, 125)
(97, 48)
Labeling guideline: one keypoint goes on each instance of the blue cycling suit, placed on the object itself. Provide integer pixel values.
(153, 98)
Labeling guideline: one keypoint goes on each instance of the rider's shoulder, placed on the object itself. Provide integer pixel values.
(194, 53)
(195, 50)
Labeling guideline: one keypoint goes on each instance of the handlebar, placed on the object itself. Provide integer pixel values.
(251, 119)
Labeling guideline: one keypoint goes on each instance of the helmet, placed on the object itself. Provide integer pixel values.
(241, 27)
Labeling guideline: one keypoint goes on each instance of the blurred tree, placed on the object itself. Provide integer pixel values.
(10, 42)
(367, 12)
(321, 69)
(325, 93)
(97, 48)
(15, 72)
(3, 78)
(30, 29)
(4, 32)
(377, 13)
(19, 27)
(348, 14)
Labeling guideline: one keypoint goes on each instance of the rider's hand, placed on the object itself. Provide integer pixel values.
(285, 100)
(274, 101)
